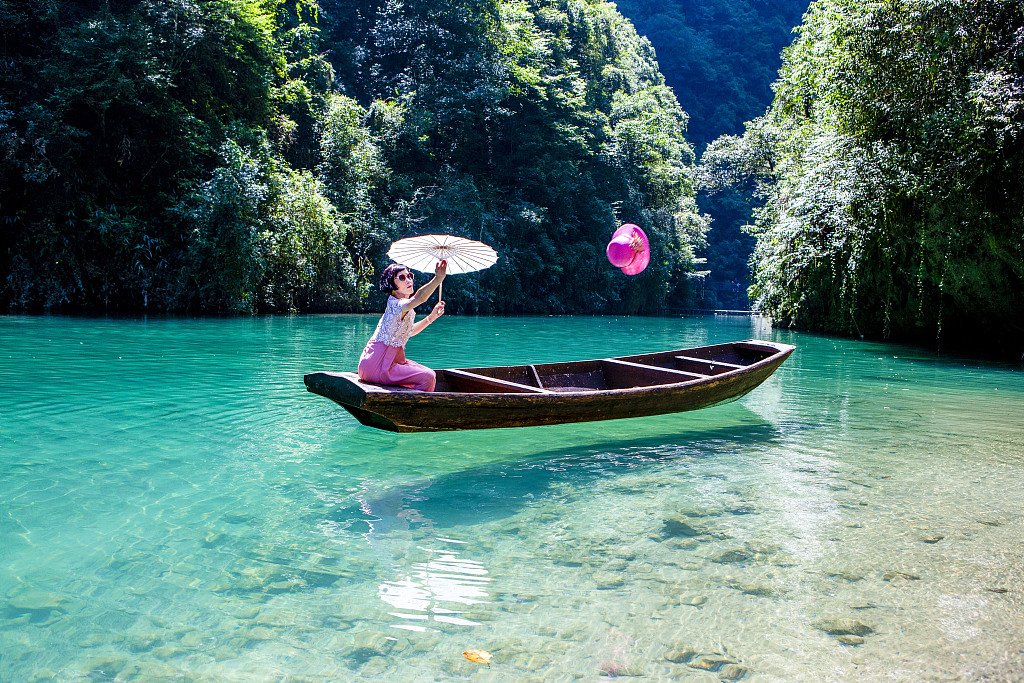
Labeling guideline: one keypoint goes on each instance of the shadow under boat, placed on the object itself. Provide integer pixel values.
(501, 489)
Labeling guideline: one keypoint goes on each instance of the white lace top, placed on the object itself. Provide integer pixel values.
(392, 329)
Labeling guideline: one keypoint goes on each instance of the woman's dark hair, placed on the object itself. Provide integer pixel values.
(387, 278)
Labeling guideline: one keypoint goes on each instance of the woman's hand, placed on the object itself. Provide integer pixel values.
(440, 270)
(437, 312)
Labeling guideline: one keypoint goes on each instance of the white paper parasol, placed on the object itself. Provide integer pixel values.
(422, 253)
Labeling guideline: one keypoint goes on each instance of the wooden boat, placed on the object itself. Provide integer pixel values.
(554, 393)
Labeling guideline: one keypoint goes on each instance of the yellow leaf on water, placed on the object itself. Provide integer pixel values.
(478, 656)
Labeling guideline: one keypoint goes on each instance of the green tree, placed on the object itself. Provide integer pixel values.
(891, 159)
(720, 58)
(258, 155)
(537, 127)
(113, 114)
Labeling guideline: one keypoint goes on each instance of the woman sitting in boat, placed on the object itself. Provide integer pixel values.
(383, 360)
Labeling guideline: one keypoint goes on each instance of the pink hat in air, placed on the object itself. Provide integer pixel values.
(629, 249)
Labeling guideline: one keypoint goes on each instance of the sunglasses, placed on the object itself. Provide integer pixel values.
(402, 277)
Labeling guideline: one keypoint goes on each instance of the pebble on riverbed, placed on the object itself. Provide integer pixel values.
(733, 557)
(692, 600)
(675, 527)
(34, 601)
(608, 580)
(843, 627)
(753, 589)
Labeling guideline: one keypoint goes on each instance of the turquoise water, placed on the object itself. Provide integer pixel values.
(174, 506)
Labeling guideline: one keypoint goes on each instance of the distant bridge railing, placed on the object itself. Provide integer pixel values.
(709, 311)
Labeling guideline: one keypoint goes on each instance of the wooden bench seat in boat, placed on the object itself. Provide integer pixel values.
(470, 381)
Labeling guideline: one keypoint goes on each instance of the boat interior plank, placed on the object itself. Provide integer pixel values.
(683, 375)
(623, 373)
(536, 375)
(708, 361)
(471, 380)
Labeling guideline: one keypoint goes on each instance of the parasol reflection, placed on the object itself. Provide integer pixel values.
(437, 590)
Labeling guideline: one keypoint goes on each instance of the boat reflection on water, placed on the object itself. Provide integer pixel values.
(438, 589)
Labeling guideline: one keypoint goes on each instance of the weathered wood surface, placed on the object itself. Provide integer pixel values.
(554, 393)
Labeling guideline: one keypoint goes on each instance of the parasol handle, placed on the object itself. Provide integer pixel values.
(440, 285)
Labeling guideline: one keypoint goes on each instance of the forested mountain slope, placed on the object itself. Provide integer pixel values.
(259, 155)
(720, 57)
(892, 164)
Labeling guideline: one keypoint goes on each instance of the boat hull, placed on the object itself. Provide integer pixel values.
(580, 391)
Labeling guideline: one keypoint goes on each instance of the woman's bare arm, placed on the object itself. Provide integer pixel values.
(424, 292)
(421, 325)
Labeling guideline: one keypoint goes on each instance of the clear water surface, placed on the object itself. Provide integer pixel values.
(174, 506)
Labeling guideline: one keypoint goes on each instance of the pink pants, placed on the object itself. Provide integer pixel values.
(383, 364)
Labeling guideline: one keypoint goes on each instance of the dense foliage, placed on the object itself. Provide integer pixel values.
(892, 161)
(257, 155)
(720, 58)
(141, 164)
(536, 127)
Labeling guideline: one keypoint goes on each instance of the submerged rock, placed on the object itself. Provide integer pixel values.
(192, 639)
(675, 527)
(615, 669)
(756, 591)
(850, 640)
(568, 558)
(373, 641)
(108, 666)
(843, 627)
(92, 640)
(705, 512)
(784, 560)
(425, 642)
(286, 586)
(212, 539)
(616, 565)
(261, 633)
(144, 642)
(245, 612)
(320, 578)
(680, 655)
(732, 672)
(35, 601)
(681, 543)
(166, 652)
(711, 662)
(733, 557)
(692, 600)
(148, 670)
(606, 580)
